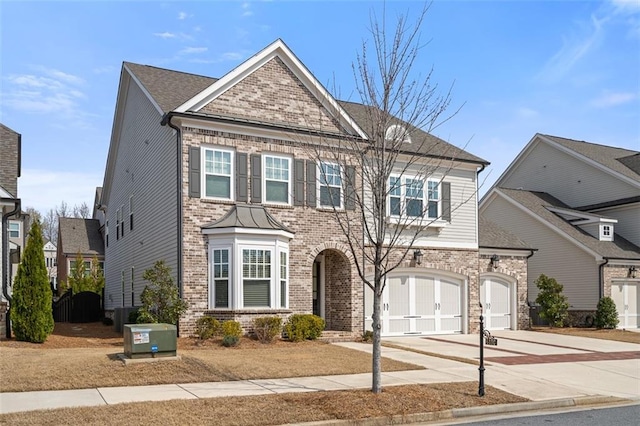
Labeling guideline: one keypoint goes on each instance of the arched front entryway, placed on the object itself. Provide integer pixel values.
(333, 290)
(498, 296)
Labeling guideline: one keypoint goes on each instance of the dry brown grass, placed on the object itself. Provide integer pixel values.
(81, 356)
(617, 335)
(275, 409)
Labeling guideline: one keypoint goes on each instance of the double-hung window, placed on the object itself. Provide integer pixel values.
(256, 278)
(14, 229)
(218, 172)
(220, 276)
(408, 198)
(277, 179)
(330, 185)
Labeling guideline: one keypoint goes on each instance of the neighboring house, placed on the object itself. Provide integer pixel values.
(503, 277)
(579, 204)
(51, 262)
(10, 164)
(77, 236)
(213, 176)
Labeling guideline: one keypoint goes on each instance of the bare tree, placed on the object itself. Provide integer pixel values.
(50, 226)
(62, 210)
(398, 167)
(81, 211)
(32, 216)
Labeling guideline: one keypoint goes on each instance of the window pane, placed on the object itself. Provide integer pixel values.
(394, 205)
(433, 190)
(433, 209)
(221, 294)
(277, 192)
(330, 196)
(414, 208)
(218, 186)
(394, 186)
(256, 293)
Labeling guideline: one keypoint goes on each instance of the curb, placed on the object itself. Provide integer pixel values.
(459, 413)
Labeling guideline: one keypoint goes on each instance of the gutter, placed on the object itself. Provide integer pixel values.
(601, 277)
(5, 261)
(166, 121)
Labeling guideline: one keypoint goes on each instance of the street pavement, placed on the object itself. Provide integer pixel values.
(549, 369)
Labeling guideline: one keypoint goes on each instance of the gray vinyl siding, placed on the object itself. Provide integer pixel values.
(464, 203)
(145, 167)
(556, 257)
(575, 182)
(628, 219)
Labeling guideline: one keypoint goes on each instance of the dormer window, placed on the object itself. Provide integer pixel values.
(606, 232)
(396, 133)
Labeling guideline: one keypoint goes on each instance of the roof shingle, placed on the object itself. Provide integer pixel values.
(80, 235)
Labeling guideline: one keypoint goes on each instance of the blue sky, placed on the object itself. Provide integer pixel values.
(566, 68)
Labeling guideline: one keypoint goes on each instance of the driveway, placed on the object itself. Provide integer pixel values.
(538, 366)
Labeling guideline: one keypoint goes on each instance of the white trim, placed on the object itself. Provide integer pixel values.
(203, 174)
(280, 50)
(248, 231)
(143, 89)
(319, 184)
(264, 179)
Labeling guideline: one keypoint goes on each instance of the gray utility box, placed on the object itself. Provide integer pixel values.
(150, 340)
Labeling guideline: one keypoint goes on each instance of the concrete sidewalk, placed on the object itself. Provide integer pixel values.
(550, 383)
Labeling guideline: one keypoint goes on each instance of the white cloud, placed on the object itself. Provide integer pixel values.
(573, 50)
(183, 15)
(165, 35)
(105, 70)
(626, 6)
(611, 99)
(45, 189)
(193, 50)
(232, 56)
(246, 9)
(48, 91)
(524, 112)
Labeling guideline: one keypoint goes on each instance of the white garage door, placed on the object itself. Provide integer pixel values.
(627, 298)
(495, 296)
(418, 304)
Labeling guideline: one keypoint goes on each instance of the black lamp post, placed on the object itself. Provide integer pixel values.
(481, 368)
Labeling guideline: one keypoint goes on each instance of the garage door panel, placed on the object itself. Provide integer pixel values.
(632, 305)
(399, 326)
(451, 324)
(399, 297)
(426, 324)
(449, 298)
(425, 296)
(499, 297)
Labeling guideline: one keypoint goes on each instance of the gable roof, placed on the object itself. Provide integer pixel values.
(491, 235)
(621, 160)
(539, 205)
(80, 235)
(179, 92)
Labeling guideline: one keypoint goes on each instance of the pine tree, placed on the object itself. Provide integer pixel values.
(32, 314)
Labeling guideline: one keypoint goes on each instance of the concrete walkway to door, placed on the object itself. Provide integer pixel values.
(538, 366)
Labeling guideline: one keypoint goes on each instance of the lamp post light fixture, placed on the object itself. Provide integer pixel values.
(417, 256)
(632, 271)
(494, 261)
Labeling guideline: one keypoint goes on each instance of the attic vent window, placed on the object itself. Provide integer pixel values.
(396, 133)
(606, 232)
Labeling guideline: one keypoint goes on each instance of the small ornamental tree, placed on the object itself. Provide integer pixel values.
(77, 280)
(31, 311)
(160, 299)
(553, 304)
(606, 314)
(96, 276)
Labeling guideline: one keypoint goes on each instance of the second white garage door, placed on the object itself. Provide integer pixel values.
(418, 304)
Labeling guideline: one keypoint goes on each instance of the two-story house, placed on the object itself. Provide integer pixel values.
(216, 178)
(10, 148)
(579, 204)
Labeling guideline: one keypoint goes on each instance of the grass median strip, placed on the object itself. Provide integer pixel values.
(276, 409)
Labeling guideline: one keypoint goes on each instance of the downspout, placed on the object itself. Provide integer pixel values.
(5, 261)
(601, 277)
(166, 120)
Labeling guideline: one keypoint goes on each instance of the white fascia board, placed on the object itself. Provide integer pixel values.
(445, 244)
(4, 193)
(591, 162)
(275, 49)
(583, 217)
(548, 225)
(504, 252)
(144, 90)
(248, 231)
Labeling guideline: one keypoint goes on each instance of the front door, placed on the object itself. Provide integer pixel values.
(317, 268)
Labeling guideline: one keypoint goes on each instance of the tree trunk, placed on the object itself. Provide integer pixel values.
(376, 386)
